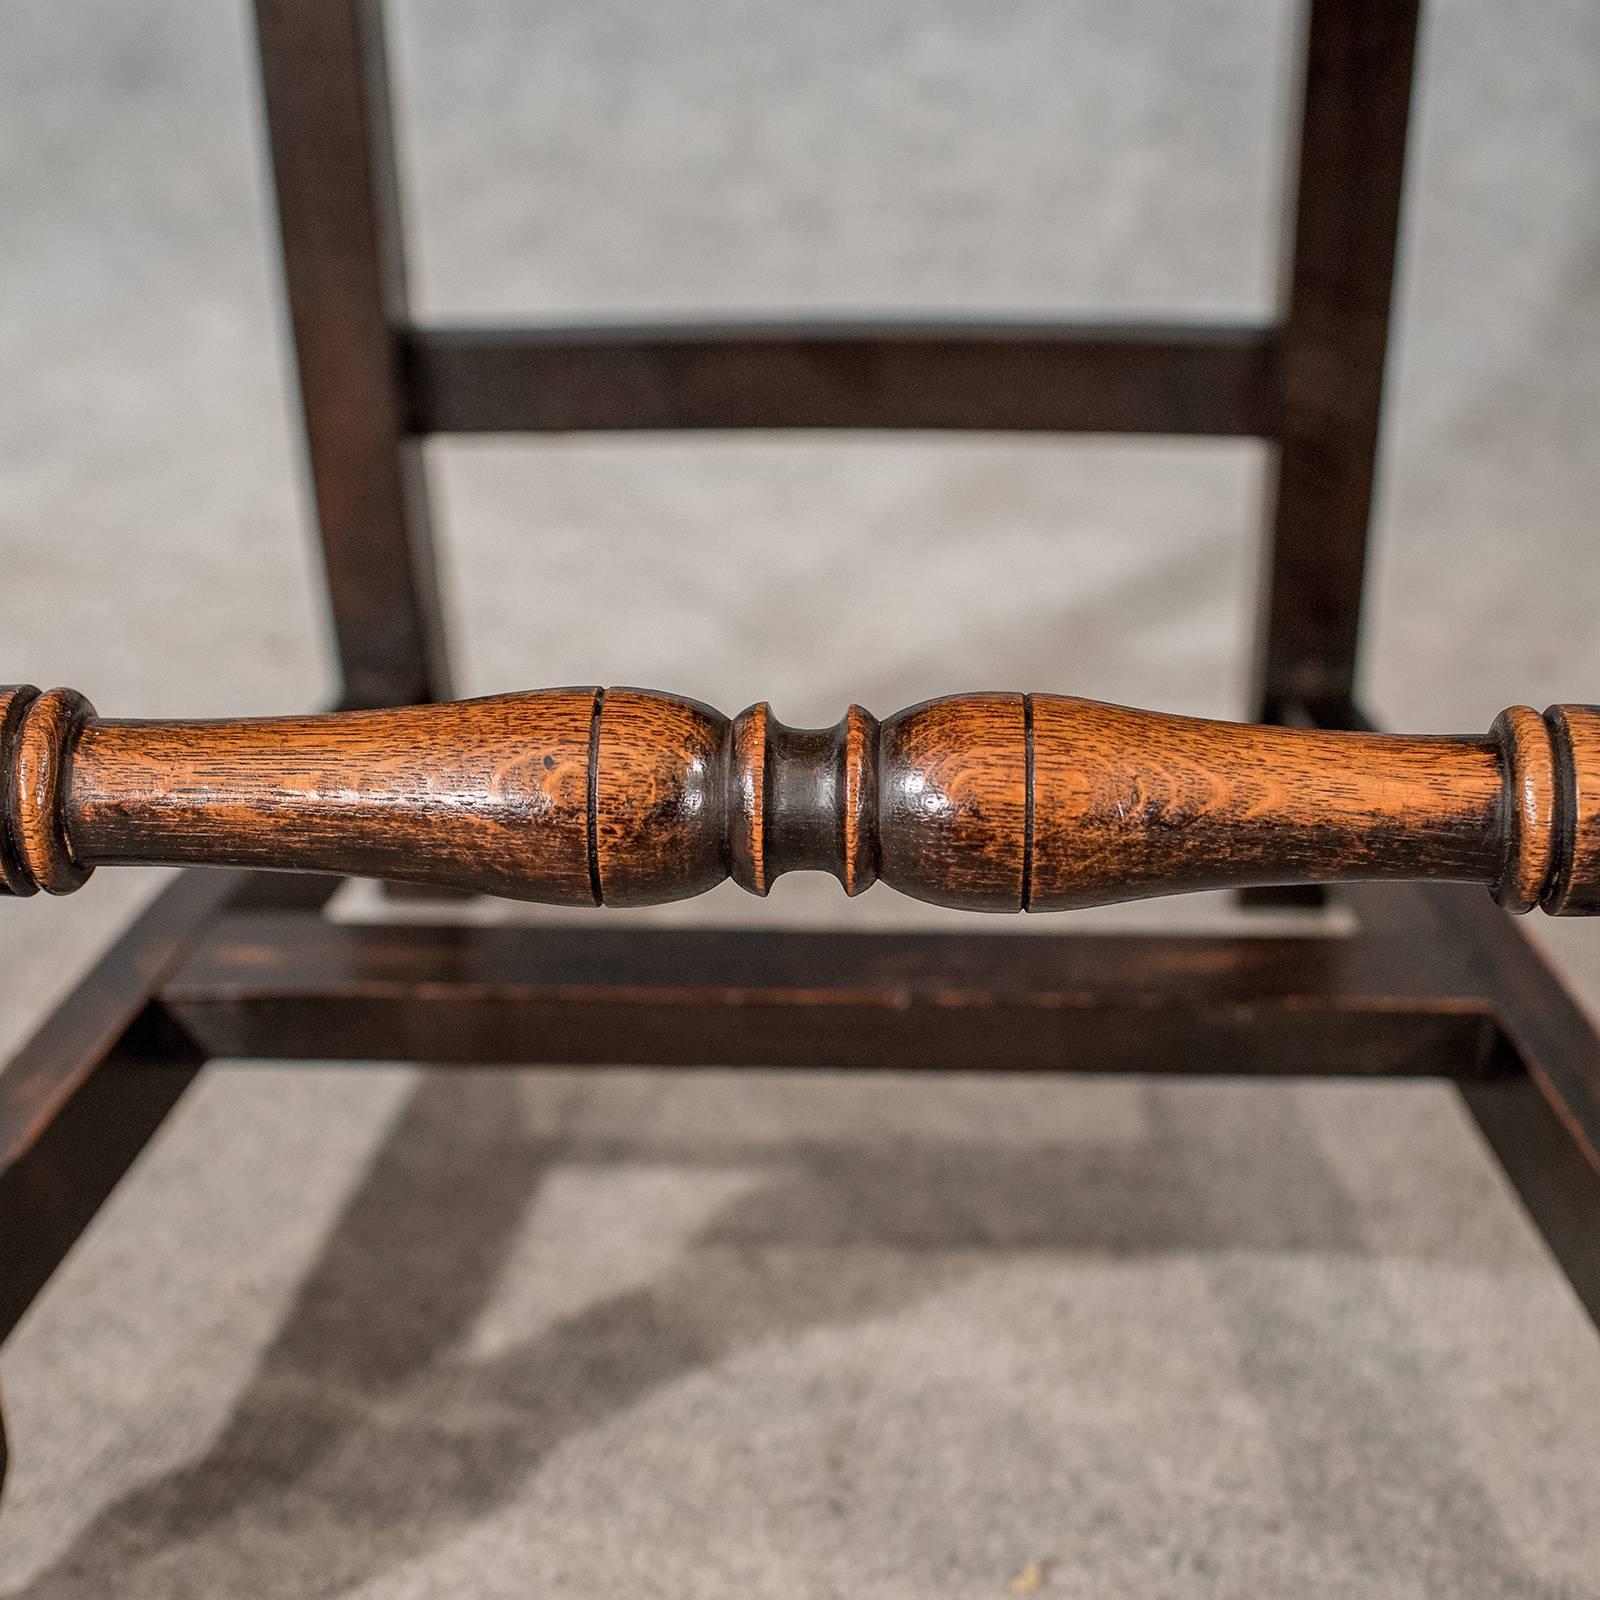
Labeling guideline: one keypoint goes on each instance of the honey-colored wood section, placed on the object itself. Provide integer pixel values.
(484, 795)
(997, 802)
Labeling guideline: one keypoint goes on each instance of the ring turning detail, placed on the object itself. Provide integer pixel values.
(623, 797)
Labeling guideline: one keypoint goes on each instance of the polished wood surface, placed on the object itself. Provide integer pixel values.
(993, 802)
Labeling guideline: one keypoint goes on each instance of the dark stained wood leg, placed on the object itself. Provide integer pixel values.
(1345, 207)
(50, 1191)
(86, 1094)
(1539, 1110)
(1344, 214)
(278, 985)
(1539, 1106)
(1558, 1186)
(81, 1099)
(327, 107)
(1543, 1123)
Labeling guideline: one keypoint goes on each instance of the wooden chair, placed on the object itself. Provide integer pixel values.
(994, 801)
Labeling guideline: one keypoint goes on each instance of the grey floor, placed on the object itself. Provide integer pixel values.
(380, 1334)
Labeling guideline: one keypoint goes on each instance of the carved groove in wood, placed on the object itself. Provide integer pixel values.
(996, 802)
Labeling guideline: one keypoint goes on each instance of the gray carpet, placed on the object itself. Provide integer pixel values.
(383, 1334)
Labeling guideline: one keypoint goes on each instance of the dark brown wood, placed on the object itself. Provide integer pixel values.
(995, 376)
(82, 1097)
(1344, 204)
(274, 986)
(1001, 802)
(1555, 1042)
(326, 97)
(80, 1033)
(1005, 801)
(1557, 1184)
(1146, 802)
(50, 1192)
(1539, 1109)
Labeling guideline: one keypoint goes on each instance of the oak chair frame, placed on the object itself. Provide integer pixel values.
(1435, 981)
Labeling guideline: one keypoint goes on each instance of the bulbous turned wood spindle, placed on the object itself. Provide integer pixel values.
(997, 802)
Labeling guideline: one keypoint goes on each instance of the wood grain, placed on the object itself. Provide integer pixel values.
(953, 801)
(1129, 803)
(660, 789)
(1574, 885)
(487, 795)
(994, 802)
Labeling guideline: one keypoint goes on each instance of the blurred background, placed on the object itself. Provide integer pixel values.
(1322, 1350)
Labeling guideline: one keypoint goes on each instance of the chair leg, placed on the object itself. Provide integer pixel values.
(326, 96)
(1346, 217)
(1344, 214)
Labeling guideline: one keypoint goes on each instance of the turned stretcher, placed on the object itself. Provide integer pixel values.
(992, 802)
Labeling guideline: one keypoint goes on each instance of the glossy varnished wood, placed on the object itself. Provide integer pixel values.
(1539, 1108)
(1436, 980)
(952, 815)
(84, 1094)
(1137, 802)
(477, 795)
(998, 802)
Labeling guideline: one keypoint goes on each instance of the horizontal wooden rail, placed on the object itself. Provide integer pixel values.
(1001, 377)
(999, 802)
(290, 987)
